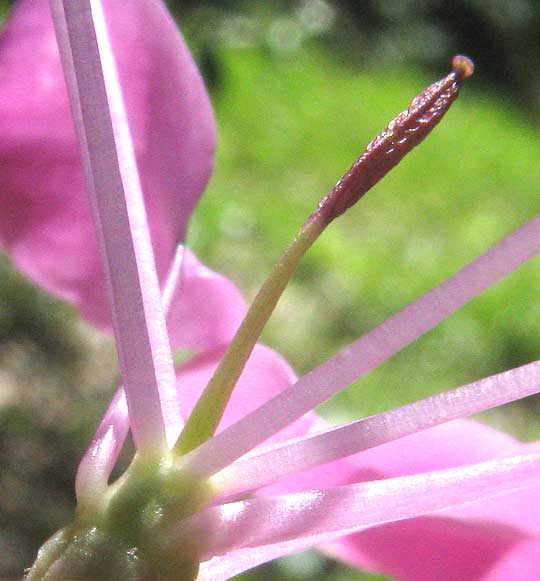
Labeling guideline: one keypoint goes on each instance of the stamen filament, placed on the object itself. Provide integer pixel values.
(365, 354)
(118, 209)
(276, 461)
(98, 462)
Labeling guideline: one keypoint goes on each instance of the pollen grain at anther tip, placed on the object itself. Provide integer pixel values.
(463, 66)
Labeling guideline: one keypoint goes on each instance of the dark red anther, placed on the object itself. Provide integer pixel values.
(403, 133)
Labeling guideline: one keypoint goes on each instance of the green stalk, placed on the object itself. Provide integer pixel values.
(208, 411)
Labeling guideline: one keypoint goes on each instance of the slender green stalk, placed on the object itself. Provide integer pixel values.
(208, 411)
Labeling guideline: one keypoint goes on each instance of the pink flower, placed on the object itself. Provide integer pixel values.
(415, 504)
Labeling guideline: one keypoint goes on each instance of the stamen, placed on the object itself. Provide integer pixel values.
(117, 204)
(403, 133)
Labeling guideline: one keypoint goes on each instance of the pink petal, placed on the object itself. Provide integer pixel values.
(521, 563)
(429, 549)
(46, 225)
(265, 375)
(205, 308)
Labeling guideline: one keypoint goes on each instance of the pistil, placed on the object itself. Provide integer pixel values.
(403, 133)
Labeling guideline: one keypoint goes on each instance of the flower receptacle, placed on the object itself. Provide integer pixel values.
(127, 536)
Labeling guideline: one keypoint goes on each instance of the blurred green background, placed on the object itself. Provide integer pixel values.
(299, 88)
